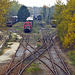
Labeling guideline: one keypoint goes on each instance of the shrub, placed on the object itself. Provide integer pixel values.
(72, 56)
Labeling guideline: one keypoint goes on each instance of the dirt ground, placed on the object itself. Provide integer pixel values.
(3, 68)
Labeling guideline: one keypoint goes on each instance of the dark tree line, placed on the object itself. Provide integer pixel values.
(23, 13)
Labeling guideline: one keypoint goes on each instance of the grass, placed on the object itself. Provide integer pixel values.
(18, 26)
(71, 55)
(38, 45)
(48, 26)
(5, 47)
(1, 52)
(34, 69)
(35, 30)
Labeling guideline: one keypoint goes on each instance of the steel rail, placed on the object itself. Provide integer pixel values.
(23, 59)
(57, 65)
(62, 61)
(50, 61)
(54, 67)
(14, 56)
(36, 57)
(54, 72)
(57, 52)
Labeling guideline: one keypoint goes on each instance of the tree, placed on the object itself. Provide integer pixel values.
(4, 8)
(43, 12)
(15, 6)
(65, 16)
(23, 13)
(69, 38)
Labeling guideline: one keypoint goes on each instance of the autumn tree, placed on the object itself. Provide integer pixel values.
(69, 38)
(65, 16)
(4, 8)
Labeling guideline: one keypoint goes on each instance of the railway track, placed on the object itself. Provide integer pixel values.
(26, 54)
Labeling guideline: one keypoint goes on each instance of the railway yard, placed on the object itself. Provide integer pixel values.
(37, 37)
(37, 55)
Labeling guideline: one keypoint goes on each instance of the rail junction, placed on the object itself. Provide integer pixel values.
(26, 54)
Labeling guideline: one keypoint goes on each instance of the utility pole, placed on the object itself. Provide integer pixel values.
(49, 13)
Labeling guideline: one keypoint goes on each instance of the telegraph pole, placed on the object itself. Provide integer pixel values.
(49, 13)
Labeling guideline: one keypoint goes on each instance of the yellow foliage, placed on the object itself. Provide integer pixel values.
(69, 41)
(65, 15)
(4, 6)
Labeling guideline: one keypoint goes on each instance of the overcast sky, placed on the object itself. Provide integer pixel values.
(38, 3)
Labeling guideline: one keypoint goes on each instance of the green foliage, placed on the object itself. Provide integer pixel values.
(65, 16)
(35, 27)
(23, 13)
(72, 56)
(35, 30)
(38, 45)
(48, 26)
(14, 8)
(34, 69)
(1, 52)
(44, 12)
(47, 13)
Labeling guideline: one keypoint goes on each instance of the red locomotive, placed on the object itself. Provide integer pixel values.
(27, 26)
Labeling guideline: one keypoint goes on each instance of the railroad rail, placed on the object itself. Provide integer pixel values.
(19, 65)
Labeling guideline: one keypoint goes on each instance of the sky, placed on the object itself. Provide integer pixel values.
(38, 3)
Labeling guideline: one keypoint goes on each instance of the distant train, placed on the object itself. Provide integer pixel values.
(12, 20)
(28, 24)
(53, 23)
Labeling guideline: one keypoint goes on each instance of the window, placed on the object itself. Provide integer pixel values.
(29, 23)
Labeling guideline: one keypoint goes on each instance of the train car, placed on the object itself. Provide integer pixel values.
(9, 24)
(12, 20)
(39, 17)
(53, 23)
(53, 26)
(27, 26)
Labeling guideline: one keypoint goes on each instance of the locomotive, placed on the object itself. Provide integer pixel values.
(12, 20)
(27, 26)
